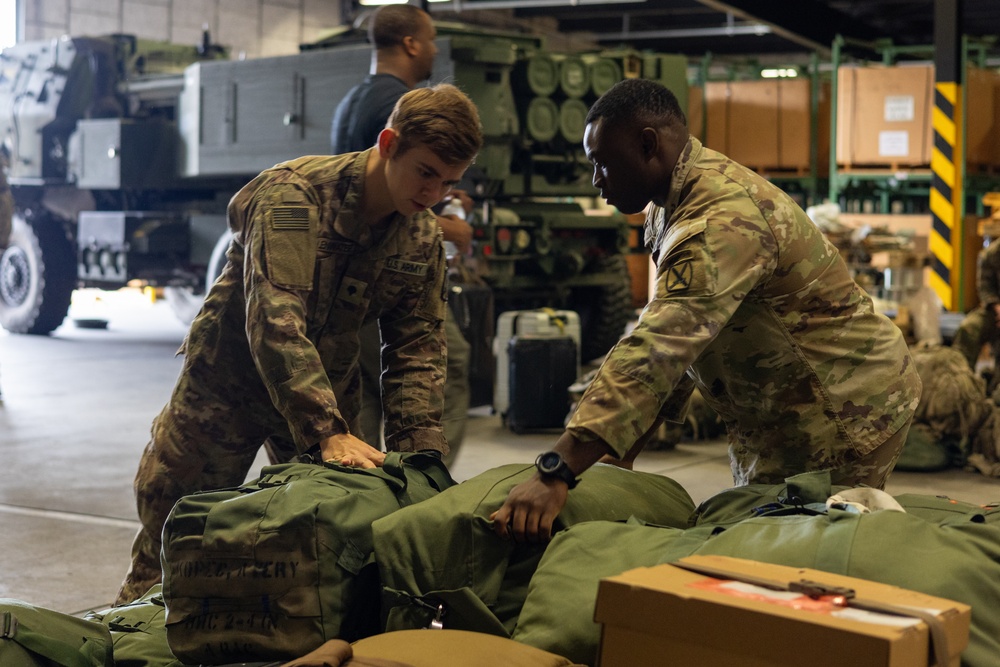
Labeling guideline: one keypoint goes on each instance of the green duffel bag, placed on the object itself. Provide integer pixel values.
(272, 569)
(939, 547)
(558, 612)
(807, 490)
(32, 636)
(956, 558)
(441, 563)
(138, 631)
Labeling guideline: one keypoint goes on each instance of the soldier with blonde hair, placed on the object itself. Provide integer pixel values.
(321, 245)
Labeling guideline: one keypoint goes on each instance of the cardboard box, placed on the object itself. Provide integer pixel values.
(668, 615)
(763, 124)
(753, 126)
(884, 115)
(982, 129)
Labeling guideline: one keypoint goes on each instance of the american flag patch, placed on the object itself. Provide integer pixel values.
(290, 218)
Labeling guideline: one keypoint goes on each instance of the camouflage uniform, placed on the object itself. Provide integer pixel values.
(759, 310)
(273, 353)
(979, 326)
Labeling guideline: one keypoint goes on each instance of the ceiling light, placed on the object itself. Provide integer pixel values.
(779, 73)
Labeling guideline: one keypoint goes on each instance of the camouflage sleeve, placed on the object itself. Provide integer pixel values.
(280, 238)
(705, 273)
(988, 275)
(414, 358)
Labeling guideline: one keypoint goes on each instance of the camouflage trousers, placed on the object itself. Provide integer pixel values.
(977, 329)
(847, 467)
(456, 388)
(198, 442)
(873, 469)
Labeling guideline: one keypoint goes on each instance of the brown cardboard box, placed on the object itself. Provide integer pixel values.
(717, 116)
(669, 615)
(884, 115)
(695, 110)
(753, 123)
(763, 124)
(982, 129)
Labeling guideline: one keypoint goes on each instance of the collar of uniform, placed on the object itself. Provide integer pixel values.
(658, 217)
(350, 225)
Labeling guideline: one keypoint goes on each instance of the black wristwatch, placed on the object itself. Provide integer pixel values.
(551, 464)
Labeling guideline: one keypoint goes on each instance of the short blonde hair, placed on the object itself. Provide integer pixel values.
(443, 118)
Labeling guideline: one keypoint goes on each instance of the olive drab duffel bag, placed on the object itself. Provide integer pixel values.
(441, 563)
(32, 636)
(274, 568)
(938, 546)
(138, 631)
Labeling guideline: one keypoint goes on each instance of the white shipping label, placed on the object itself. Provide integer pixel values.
(893, 144)
(899, 108)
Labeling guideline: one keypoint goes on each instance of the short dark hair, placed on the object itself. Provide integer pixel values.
(391, 24)
(637, 100)
(443, 118)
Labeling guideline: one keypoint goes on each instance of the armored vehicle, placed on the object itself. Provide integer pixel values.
(122, 155)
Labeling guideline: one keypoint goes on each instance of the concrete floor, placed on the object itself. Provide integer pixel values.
(77, 407)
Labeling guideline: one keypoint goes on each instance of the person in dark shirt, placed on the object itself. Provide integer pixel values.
(403, 51)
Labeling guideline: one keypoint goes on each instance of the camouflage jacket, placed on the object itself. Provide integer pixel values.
(758, 308)
(304, 272)
(988, 274)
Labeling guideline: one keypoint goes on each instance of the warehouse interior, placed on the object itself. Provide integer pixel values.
(77, 402)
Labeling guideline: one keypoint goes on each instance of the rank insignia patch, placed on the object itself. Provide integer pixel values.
(352, 291)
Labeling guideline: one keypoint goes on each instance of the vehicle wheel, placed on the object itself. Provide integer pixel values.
(37, 276)
(604, 311)
(186, 302)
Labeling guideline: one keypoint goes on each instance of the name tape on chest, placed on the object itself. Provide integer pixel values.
(403, 266)
(339, 247)
(290, 218)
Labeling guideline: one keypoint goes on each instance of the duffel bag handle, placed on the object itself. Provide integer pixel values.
(429, 465)
(392, 470)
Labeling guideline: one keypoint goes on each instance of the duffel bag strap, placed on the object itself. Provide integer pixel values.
(429, 465)
(51, 648)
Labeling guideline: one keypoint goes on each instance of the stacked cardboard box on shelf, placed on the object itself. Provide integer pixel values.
(763, 124)
(885, 116)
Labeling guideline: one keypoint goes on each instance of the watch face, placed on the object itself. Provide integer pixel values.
(549, 461)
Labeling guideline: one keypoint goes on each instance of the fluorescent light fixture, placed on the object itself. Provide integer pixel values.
(779, 73)
(369, 3)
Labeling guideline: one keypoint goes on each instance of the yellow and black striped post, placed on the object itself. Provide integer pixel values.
(947, 162)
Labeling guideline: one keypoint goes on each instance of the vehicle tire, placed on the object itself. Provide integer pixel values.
(37, 276)
(604, 311)
(186, 302)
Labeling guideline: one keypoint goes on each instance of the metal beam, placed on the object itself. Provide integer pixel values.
(810, 23)
(472, 5)
(677, 33)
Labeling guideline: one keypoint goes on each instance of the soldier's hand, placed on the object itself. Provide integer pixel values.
(347, 450)
(530, 510)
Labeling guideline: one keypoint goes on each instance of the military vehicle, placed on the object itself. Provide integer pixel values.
(122, 155)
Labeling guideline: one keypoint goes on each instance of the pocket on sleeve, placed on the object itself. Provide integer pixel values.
(290, 245)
